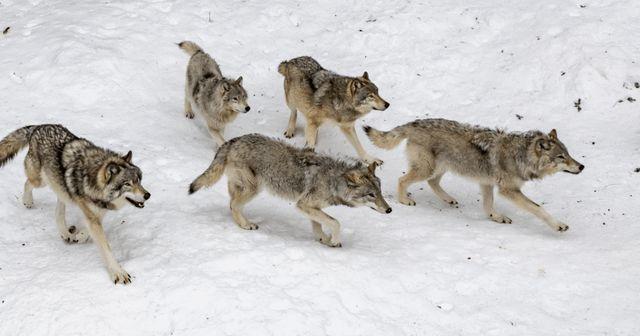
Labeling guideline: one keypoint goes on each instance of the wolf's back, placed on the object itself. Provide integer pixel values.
(14, 142)
(303, 65)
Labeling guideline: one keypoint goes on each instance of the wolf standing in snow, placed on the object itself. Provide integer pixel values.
(313, 181)
(490, 157)
(216, 98)
(322, 95)
(80, 173)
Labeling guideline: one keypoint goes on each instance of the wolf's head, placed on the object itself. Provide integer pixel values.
(553, 156)
(123, 181)
(365, 94)
(234, 96)
(363, 188)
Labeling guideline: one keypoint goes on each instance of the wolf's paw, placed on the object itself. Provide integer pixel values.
(453, 203)
(326, 240)
(118, 275)
(499, 218)
(289, 133)
(407, 201)
(561, 227)
(189, 115)
(73, 235)
(249, 226)
(28, 204)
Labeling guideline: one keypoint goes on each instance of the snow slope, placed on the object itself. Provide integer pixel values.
(110, 71)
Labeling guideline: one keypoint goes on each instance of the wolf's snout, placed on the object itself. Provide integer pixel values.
(581, 167)
(388, 210)
(246, 109)
(386, 105)
(147, 196)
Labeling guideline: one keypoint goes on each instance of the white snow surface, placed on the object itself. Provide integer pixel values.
(110, 71)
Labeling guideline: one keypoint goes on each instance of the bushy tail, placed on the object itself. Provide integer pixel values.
(13, 143)
(386, 140)
(283, 68)
(214, 172)
(189, 47)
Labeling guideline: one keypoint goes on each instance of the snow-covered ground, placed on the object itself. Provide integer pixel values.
(110, 71)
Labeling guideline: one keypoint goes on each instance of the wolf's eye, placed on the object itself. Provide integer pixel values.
(372, 195)
(561, 157)
(235, 99)
(127, 184)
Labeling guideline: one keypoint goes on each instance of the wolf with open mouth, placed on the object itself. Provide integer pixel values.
(81, 173)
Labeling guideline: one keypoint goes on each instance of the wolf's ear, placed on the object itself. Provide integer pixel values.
(354, 85)
(225, 86)
(353, 177)
(553, 134)
(127, 157)
(542, 145)
(239, 80)
(372, 168)
(365, 75)
(110, 170)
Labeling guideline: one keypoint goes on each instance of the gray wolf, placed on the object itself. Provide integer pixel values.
(80, 173)
(488, 156)
(321, 96)
(217, 99)
(313, 181)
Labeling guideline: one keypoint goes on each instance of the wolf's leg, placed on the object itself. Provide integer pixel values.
(434, 183)
(487, 204)
(522, 201)
(241, 192)
(350, 132)
(311, 134)
(188, 111)
(421, 166)
(216, 135)
(291, 127)
(69, 234)
(319, 234)
(94, 223)
(317, 215)
(27, 195)
(32, 169)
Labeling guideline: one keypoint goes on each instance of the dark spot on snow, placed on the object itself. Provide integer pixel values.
(603, 223)
(593, 142)
(583, 6)
(631, 99)
(519, 117)
(439, 306)
(636, 85)
(637, 170)
(577, 104)
(6, 30)
(562, 73)
(23, 244)
(360, 30)
(468, 258)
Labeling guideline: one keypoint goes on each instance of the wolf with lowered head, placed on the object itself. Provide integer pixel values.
(80, 173)
(313, 181)
(488, 156)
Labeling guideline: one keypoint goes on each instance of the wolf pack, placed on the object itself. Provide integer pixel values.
(97, 180)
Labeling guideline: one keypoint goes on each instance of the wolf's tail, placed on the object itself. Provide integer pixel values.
(215, 170)
(14, 142)
(386, 140)
(283, 68)
(189, 47)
